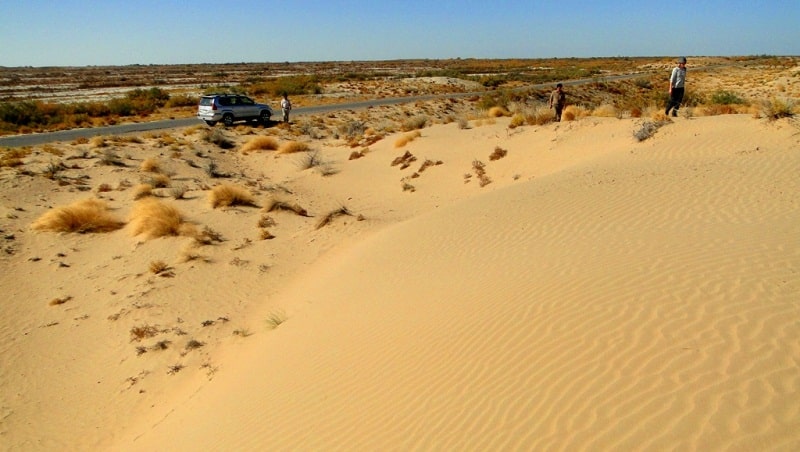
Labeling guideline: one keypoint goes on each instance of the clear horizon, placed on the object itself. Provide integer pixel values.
(118, 33)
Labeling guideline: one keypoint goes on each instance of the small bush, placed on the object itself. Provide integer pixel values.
(722, 97)
(260, 143)
(150, 165)
(776, 108)
(417, 122)
(407, 138)
(217, 136)
(292, 147)
(648, 129)
(153, 218)
(497, 112)
(230, 195)
(88, 215)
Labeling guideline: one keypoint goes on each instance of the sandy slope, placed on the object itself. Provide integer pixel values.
(600, 293)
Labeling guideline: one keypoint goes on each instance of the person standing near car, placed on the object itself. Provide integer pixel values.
(286, 106)
(677, 83)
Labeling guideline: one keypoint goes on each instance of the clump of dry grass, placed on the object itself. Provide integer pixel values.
(153, 218)
(407, 138)
(605, 111)
(226, 195)
(480, 170)
(260, 143)
(293, 147)
(404, 160)
(498, 153)
(776, 108)
(157, 267)
(648, 129)
(573, 112)
(88, 215)
(138, 333)
(150, 165)
(498, 112)
(333, 214)
(98, 142)
(142, 191)
(414, 123)
(273, 205)
(60, 300)
(157, 180)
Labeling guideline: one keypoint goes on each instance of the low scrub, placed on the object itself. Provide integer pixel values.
(776, 108)
(226, 195)
(407, 138)
(293, 147)
(260, 143)
(88, 215)
(152, 218)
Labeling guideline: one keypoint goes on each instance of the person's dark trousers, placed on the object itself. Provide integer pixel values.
(558, 109)
(675, 100)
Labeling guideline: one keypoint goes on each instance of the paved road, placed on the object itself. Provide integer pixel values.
(73, 134)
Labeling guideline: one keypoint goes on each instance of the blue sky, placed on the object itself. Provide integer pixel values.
(120, 32)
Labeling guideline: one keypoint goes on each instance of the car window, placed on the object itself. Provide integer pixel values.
(246, 101)
(224, 101)
(205, 101)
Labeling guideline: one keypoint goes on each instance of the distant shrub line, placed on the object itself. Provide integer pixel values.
(14, 115)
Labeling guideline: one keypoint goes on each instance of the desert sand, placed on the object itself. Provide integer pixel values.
(580, 291)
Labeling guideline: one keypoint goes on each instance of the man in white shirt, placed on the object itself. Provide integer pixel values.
(286, 106)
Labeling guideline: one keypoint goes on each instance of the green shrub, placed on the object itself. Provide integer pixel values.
(293, 85)
(722, 97)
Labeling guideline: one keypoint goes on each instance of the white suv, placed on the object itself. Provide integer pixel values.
(231, 107)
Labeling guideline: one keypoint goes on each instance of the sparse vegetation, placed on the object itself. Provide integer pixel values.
(85, 216)
(648, 129)
(260, 143)
(226, 195)
(153, 218)
(275, 319)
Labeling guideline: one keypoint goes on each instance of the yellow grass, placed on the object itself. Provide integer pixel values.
(407, 138)
(260, 143)
(230, 195)
(153, 218)
(605, 111)
(150, 165)
(88, 215)
(497, 112)
(292, 147)
(573, 112)
(142, 191)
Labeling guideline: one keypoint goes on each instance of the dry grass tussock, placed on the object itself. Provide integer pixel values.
(153, 218)
(260, 143)
(142, 191)
(497, 112)
(407, 138)
(273, 205)
(88, 215)
(230, 195)
(293, 147)
(150, 165)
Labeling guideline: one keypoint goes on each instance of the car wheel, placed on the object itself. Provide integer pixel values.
(211, 123)
(265, 115)
(228, 119)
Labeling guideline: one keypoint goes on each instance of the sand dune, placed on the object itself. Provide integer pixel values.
(598, 294)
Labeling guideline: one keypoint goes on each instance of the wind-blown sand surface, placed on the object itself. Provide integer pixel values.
(600, 293)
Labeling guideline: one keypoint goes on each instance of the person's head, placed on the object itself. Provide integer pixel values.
(285, 95)
(682, 61)
(560, 86)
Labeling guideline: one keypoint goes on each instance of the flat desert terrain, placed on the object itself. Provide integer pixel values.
(432, 276)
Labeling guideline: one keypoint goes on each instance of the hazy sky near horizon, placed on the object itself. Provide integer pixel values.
(121, 32)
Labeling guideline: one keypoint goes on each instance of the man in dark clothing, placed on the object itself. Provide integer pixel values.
(557, 100)
(676, 87)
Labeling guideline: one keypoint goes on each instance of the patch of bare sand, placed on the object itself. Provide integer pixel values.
(597, 292)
